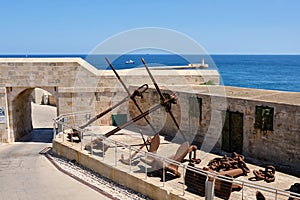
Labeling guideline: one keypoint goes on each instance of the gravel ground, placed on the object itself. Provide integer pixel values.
(117, 191)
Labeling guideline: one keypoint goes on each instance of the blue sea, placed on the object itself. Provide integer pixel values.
(272, 72)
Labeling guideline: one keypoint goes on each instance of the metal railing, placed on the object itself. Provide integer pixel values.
(193, 181)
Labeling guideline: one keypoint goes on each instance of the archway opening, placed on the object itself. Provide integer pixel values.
(34, 111)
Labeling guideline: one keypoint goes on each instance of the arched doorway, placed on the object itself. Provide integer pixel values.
(32, 119)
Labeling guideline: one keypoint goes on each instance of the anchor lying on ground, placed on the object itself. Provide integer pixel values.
(294, 195)
(153, 142)
(158, 165)
(227, 168)
(295, 189)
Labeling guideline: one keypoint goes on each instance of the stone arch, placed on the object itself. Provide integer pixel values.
(21, 110)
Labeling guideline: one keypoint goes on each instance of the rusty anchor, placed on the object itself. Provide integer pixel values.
(230, 167)
(195, 181)
(97, 143)
(137, 92)
(162, 99)
(153, 142)
(158, 165)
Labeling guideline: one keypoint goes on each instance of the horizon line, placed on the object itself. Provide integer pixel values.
(70, 54)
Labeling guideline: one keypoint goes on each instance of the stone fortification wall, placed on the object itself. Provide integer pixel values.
(76, 86)
(3, 116)
(279, 145)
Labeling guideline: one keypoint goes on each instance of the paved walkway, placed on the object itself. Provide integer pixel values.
(27, 175)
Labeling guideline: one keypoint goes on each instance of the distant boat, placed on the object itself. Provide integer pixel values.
(129, 62)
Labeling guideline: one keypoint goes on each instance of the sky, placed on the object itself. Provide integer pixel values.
(221, 27)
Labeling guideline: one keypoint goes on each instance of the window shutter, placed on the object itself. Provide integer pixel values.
(258, 117)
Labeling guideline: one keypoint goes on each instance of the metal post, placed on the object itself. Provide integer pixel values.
(130, 159)
(92, 143)
(103, 152)
(146, 165)
(243, 190)
(276, 194)
(183, 174)
(54, 129)
(116, 153)
(62, 130)
(164, 172)
(81, 143)
(213, 187)
(72, 139)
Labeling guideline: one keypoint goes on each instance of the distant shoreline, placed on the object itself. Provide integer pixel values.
(270, 72)
(84, 55)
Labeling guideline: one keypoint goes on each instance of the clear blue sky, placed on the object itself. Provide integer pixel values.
(233, 26)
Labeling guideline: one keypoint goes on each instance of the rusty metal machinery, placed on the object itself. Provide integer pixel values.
(225, 166)
(236, 161)
(268, 174)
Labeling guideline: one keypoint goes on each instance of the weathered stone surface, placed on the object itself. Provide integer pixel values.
(78, 86)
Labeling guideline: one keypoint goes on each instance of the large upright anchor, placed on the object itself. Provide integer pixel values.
(162, 98)
(138, 92)
(98, 143)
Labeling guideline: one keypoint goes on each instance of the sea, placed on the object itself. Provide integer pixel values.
(271, 72)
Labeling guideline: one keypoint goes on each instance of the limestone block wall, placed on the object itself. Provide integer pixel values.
(76, 86)
(19, 111)
(196, 128)
(280, 146)
(3, 116)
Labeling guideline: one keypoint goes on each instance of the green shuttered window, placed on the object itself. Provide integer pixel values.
(195, 107)
(264, 118)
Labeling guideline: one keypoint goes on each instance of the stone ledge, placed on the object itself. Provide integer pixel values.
(2, 90)
(121, 177)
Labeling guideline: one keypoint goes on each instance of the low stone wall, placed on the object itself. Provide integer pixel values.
(129, 180)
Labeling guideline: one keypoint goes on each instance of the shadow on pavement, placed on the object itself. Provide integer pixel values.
(41, 135)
